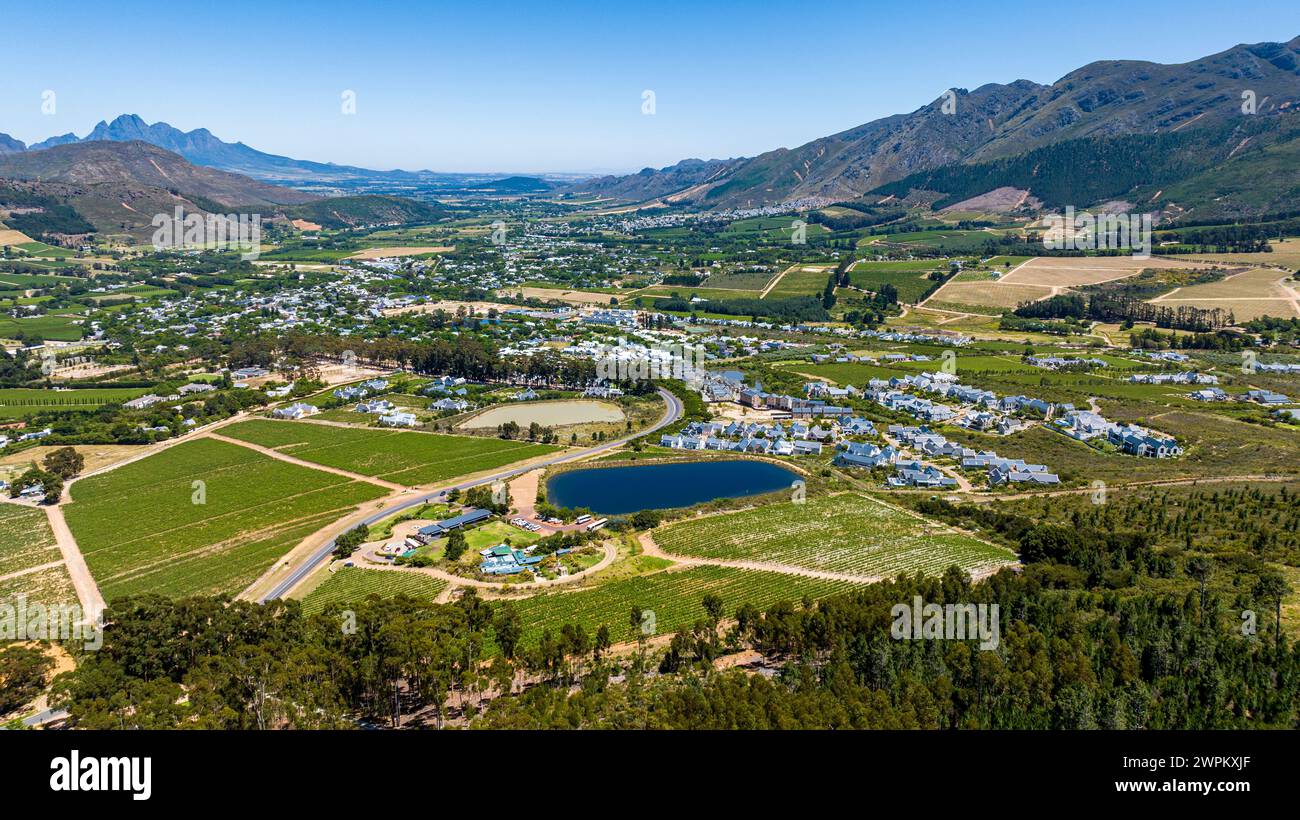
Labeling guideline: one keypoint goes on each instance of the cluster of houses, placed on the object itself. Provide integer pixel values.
(907, 472)
(1188, 377)
(1000, 470)
(1265, 397)
(1277, 368)
(1060, 363)
(919, 474)
(354, 392)
(505, 560)
(1084, 425)
(297, 410)
(389, 415)
(770, 439)
(31, 436)
(1161, 355)
(992, 412)
(787, 406)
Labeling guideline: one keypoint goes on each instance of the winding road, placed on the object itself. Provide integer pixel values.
(305, 567)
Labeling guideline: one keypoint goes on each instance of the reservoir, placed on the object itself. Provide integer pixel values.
(621, 490)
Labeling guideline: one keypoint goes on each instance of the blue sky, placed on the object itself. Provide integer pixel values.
(557, 86)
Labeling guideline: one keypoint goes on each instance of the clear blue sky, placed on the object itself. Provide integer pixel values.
(557, 86)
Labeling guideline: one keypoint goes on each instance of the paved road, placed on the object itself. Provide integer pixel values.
(297, 574)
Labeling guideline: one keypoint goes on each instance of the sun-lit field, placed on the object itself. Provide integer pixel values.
(8, 236)
(1249, 295)
(1092, 270)
(987, 295)
(577, 297)
(203, 517)
(27, 548)
(97, 456)
(402, 457)
(801, 280)
(546, 413)
(400, 250)
(1285, 254)
(848, 533)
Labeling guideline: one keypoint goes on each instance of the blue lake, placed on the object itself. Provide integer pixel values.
(621, 490)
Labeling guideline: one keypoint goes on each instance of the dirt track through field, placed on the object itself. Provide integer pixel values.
(276, 454)
(653, 550)
(88, 594)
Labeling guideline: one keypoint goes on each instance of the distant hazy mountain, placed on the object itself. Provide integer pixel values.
(201, 147)
(1100, 101)
(53, 141)
(9, 145)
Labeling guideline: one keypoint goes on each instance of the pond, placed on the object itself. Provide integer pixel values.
(621, 490)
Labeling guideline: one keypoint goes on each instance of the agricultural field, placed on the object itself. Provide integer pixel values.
(9, 236)
(577, 297)
(1285, 254)
(96, 456)
(149, 526)
(801, 280)
(909, 278)
(673, 596)
(986, 296)
(1072, 272)
(350, 585)
(403, 457)
(738, 281)
(26, 542)
(1249, 295)
(52, 327)
(703, 292)
(546, 413)
(20, 401)
(848, 533)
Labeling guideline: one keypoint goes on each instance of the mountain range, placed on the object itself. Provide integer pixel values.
(1246, 97)
(201, 147)
(119, 187)
(1217, 137)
